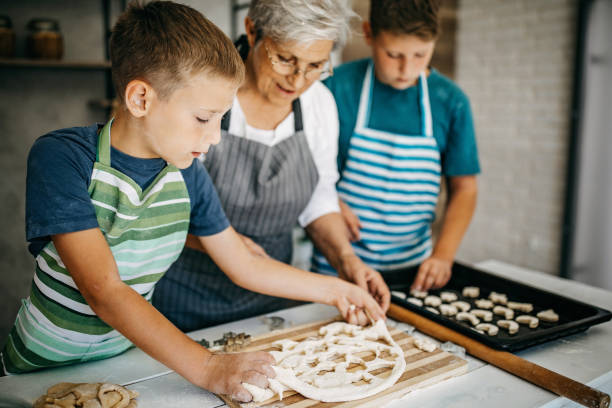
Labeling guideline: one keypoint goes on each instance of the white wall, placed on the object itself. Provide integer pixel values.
(515, 62)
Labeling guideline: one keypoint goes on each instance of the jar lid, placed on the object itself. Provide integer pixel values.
(43, 24)
(5, 22)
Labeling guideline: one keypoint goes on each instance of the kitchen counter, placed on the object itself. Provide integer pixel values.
(584, 357)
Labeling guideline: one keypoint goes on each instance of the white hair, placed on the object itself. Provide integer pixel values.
(303, 21)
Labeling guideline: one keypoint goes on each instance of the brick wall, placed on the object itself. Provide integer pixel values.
(514, 59)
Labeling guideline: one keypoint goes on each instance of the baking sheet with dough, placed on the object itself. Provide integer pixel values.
(422, 369)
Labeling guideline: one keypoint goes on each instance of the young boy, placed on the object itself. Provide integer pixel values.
(108, 211)
(402, 126)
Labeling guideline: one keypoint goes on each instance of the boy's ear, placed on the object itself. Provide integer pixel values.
(251, 31)
(367, 32)
(138, 96)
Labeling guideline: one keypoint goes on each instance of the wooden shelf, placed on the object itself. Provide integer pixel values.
(42, 63)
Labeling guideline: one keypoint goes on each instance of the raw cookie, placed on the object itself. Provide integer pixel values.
(531, 321)
(548, 316)
(509, 325)
(485, 315)
(461, 305)
(469, 317)
(424, 344)
(398, 294)
(488, 328)
(522, 307)
(448, 297)
(421, 294)
(504, 311)
(415, 301)
(484, 304)
(471, 292)
(448, 310)
(100, 395)
(433, 310)
(499, 298)
(433, 301)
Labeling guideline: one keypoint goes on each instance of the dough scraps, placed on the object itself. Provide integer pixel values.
(323, 368)
(89, 395)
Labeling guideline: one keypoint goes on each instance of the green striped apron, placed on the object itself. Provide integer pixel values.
(146, 233)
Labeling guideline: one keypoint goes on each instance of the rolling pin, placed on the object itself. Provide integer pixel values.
(528, 371)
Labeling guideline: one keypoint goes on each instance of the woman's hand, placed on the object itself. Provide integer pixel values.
(433, 273)
(225, 373)
(354, 270)
(355, 304)
(351, 220)
(253, 247)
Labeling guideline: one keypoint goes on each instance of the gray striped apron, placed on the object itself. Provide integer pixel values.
(391, 182)
(145, 231)
(263, 190)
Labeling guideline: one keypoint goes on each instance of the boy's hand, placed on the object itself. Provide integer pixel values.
(253, 247)
(224, 373)
(355, 304)
(354, 270)
(433, 273)
(351, 220)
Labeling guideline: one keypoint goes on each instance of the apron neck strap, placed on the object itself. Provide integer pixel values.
(365, 101)
(104, 144)
(296, 106)
(426, 122)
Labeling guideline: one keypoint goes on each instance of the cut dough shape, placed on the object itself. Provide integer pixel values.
(399, 294)
(448, 310)
(509, 325)
(415, 301)
(424, 344)
(504, 311)
(87, 395)
(448, 297)
(471, 292)
(499, 298)
(433, 301)
(488, 328)
(548, 316)
(521, 307)
(461, 305)
(485, 315)
(421, 294)
(462, 316)
(433, 310)
(310, 366)
(484, 304)
(531, 321)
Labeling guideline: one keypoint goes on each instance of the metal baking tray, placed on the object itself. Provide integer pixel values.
(574, 316)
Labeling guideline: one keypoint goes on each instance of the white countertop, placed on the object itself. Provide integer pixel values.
(584, 357)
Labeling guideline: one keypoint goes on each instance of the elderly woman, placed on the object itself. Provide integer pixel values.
(275, 166)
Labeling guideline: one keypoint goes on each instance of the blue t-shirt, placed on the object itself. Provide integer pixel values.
(60, 164)
(398, 111)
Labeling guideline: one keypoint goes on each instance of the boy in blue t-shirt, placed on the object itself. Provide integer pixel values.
(403, 126)
(106, 216)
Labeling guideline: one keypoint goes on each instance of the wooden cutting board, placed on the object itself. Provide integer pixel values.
(422, 369)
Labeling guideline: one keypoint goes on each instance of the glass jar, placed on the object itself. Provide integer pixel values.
(7, 38)
(44, 39)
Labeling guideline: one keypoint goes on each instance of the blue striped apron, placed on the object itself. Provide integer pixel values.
(391, 181)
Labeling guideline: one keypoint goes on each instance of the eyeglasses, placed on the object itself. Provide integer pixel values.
(290, 67)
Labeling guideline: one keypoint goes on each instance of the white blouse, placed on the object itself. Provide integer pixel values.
(320, 119)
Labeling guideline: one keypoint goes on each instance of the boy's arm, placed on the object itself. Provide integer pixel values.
(92, 266)
(329, 234)
(270, 277)
(436, 270)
